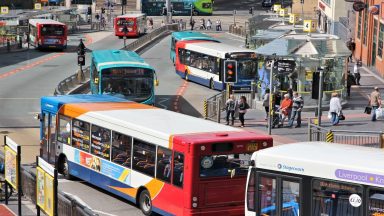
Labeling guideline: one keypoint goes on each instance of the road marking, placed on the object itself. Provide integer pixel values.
(180, 92)
(104, 213)
(162, 100)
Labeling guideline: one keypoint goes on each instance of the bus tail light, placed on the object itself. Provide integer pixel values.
(194, 202)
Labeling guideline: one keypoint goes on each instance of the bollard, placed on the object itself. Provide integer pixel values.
(309, 130)
(205, 109)
(329, 137)
(80, 76)
(382, 140)
(8, 45)
(218, 110)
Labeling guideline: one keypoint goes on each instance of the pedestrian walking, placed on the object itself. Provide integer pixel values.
(297, 106)
(192, 23)
(350, 82)
(209, 24)
(356, 73)
(162, 23)
(335, 108)
(151, 23)
(285, 109)
(351, 46)
(243, 107)
(375, 101)
(202, 24)
(181, 24)
(218, 23)
(230, 107)
(266, 103)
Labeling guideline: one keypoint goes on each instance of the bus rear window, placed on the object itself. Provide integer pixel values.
(128, 23)
(52, 30)
(223, 165)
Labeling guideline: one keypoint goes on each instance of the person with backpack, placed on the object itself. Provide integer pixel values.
(230, 108)
(243, 106)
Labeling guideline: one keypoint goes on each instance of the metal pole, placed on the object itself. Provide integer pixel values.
(270, 96)
(320, 97)
(37, 206)
(168, 6)
(234, 17)
(19, 190)
(122, 9)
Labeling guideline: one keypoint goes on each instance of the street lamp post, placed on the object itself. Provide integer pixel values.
(125, 31)
(321, 81)
(270, 111)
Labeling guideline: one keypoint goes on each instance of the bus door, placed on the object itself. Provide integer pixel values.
(48, 148)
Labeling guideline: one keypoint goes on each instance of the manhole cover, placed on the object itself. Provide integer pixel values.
(4, 132)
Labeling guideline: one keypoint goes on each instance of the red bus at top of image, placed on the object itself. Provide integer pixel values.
(47, 33)
(136, 25)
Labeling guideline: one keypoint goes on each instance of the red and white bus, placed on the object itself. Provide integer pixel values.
(136, 25)
(163, 161)
(47, 33)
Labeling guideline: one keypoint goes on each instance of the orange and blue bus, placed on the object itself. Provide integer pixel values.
(203, 62)
(165, 162)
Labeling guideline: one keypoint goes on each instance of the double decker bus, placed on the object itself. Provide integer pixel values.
(123, 74)
(165, 162)
(136, 25)
(179, 7)
(47, 33)
(316, 179)
(188, 36)
(203, 63)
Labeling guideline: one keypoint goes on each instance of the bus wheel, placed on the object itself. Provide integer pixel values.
(120, 37)
(212, 84)
(64, 168)
(145, 202)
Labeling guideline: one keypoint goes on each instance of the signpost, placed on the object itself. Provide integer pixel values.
(46, 188)
(285, 66)
(12, 157)
(270, 116)
(4, 10)
(37, 6)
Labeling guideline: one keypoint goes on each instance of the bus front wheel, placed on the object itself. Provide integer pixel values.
(63, 168)
(145, 202)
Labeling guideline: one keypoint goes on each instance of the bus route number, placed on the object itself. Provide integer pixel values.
(252, 147)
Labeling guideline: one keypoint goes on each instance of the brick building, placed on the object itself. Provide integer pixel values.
(369, 35)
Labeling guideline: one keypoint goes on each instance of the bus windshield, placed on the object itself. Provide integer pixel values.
(134, 84)
(52, 30)
(247, 68)
(122, 22)
(222, 165)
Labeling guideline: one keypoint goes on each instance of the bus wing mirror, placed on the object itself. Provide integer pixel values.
(38, 116)
(156, 82)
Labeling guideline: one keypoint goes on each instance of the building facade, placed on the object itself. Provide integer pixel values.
(308, 9)
(329, 13)
(369, 36)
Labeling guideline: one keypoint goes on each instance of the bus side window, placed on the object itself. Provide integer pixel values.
(121, 149)
(144, 157)
(375, 202)
(267, 196)
(291, 198)
(163, 171)
(80, 135)
(178, 169)
(64, 130)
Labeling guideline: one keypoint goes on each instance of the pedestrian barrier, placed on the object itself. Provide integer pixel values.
(361, 138)
(205, 109)
(72, 85)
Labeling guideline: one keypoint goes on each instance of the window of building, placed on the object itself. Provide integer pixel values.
(365, 27)
(121, 149)
(359, 25)
(178, 169)
(64, 135)
(381, 39)
(375, 202)
(144, 157)
(333, 198)
(328, 2)
(80, 135)
(164, 158)
(101, 142)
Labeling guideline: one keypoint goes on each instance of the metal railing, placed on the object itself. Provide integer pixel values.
(67, 205)
(76, 84)
(361, 138)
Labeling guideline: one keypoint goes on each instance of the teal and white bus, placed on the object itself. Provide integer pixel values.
(316, 179)
(179, 7)
(123, 74)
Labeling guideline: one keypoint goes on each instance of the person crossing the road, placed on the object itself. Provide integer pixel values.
(230, 107)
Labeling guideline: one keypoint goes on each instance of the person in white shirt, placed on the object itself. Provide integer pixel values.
(335, 108)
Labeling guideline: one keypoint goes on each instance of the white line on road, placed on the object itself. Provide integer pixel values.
(162, 100)
(103, 213)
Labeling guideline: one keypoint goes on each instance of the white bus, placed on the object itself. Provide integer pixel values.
(316, 179)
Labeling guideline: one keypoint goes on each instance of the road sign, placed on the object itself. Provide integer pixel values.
(4, 10)
(309, 26)
(293, 18)
(37, 6)
(285, 66)
(283, 12)
(276, 7)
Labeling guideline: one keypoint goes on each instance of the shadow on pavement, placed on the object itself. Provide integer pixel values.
(14, 58)
(182, 105)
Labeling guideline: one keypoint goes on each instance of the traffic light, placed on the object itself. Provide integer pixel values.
(89, 11)
(230, 71)
(251, 10)
(124, 2)
(103, 10)
(81, 60)
(301, 1)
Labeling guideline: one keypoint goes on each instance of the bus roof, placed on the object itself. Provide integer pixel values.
(118, 58)
(215, 49)
(131, 15)
(53, 103)
(192, 35)
(34, 22)
(325, 160)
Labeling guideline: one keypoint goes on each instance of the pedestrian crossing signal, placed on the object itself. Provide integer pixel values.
(230, 71)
